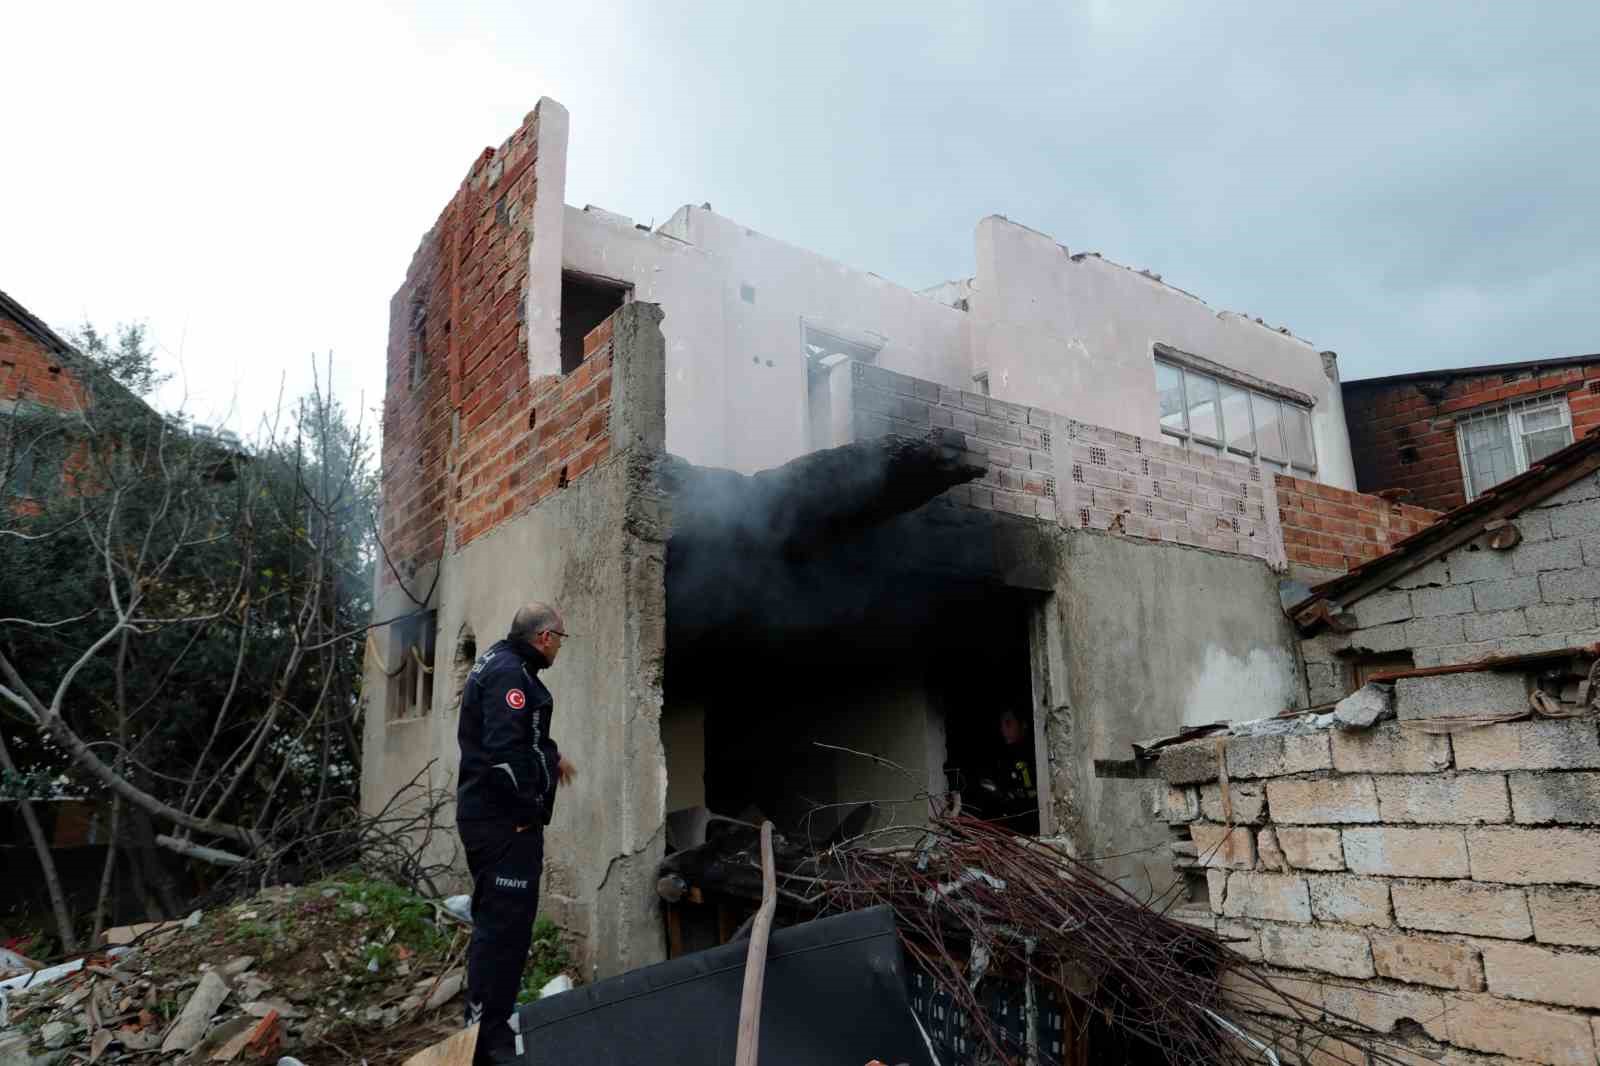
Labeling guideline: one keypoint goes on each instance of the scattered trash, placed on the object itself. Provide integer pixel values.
(556, 985)
(195, 1017)
(192, 921)
(459, 908)
(447, 989)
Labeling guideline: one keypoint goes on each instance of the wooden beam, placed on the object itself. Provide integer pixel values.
(755, 967)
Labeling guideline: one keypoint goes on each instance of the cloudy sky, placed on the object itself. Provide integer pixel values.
(1412, 185)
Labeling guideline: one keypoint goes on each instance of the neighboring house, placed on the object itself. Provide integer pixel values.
(1446, 436)
(38, 369)
(1059, 485)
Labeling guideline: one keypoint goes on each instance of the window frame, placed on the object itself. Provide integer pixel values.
(1288, 407)
(1512, 411)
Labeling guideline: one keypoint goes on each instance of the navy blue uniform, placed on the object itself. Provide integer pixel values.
(505, 796)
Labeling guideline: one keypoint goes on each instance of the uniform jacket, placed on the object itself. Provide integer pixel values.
(508, 759)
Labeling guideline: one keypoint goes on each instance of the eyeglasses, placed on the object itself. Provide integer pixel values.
(557, 633)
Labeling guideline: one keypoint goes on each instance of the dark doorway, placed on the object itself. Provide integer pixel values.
(586, 301)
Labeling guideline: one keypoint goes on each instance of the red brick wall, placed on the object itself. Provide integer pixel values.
(473, 441)
(30, 370)
(1403, 436)
(1335, 529)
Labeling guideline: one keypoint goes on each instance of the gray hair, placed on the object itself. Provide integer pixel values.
(532, 620)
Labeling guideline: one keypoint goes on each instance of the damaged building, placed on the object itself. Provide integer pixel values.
(813, 533)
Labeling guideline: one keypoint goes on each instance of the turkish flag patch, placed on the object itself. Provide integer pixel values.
(516, 700)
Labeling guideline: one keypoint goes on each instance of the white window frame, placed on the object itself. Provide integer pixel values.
(1513, 413)
(1215, 446)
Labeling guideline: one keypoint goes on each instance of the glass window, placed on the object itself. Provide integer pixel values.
(1169, 389)
(1268, 434)
(1502, 442)
(1297, 427)
(1545, 431)
(1236, 418)
(1486, 444)
(1204, 409)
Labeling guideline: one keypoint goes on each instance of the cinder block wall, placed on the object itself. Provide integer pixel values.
(1443, 889)
(1476, 602)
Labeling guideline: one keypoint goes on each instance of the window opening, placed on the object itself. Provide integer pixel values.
(586, 301)
(823, 353)
(412, 683)
(1208, 414)
(1498, 443)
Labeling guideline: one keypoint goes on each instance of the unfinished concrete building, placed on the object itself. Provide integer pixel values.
(811, 531)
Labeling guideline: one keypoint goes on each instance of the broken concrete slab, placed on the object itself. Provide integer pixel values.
(1365, 707)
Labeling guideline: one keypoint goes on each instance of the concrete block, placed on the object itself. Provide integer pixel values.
(1324, 683)
(1274, 756)
(1426, 960)
(1219, 846)
(1381, 607)
(1469, 565)
(1505, 594)
(1435, 603)
(1247, 801)
(1566, 915)
(1570, 798)
(1351, 900)
(1544, 975)
(1560, 744)
(1435, 573)
(1268, 852)
(1180, 804)
(1575, 520)
(1396, 852)
(1242, 938)
(1585, 488)
(1286, 995)
(1565, 586)
(1525, 1032)
(1433, 632)
(1389, 749)
(1336, 951)
(1188, 764)
(1454, 654)
(1271, 897)
(1383, 638)
(1591, 551)
(1563, 554)
(1550, 618)
(1462, 908)
(1497, 624)
(1322, 801)
(1325, 647)
(1444, 798)
(1310, 848)
(1463, 695)
(1533, 856)
(1535, 526)
(1382, 1006)
(1365, 707)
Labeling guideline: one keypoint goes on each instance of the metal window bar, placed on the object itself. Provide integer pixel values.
(1513, 415)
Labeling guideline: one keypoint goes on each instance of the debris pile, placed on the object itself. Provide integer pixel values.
(345, 970)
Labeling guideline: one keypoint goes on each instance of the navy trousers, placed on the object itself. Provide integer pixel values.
(505, 867)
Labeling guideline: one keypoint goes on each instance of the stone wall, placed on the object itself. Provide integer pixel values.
(1476, 602)
(1333, 530)
(1440, 888)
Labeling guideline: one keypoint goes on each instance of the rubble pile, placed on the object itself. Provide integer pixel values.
(345, 970)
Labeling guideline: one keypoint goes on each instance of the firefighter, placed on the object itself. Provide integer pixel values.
(1007, 791)
(510, 768)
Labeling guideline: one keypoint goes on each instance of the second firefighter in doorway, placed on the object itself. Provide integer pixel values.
(1006, 790)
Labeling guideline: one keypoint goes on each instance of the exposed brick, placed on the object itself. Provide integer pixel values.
(1335, 951)
(1247, 802)
(1535, 856)
(1274, 756)
(1526, 971)
(1525, 1032)
(1468, 694)
(1322, 801)
(1462, 907)
(1389, 749)
(1310, 848)
(1566, 915)
(1352, 900)
(1397, 852)
(1426, 960)
(1444, 798)
(1563, 744)
(1272, 897)
(1218, 845)
(1556, 797)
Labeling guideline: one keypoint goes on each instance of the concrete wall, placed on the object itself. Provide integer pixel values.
(1076, 333)
(1153, 636)
(1440, 888)
(1476, 602)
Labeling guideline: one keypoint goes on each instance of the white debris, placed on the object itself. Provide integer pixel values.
(193, 920)
(459, 908)
(556, 985)
(1365, 707)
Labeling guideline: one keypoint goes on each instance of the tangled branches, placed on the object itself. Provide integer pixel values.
(976, 901)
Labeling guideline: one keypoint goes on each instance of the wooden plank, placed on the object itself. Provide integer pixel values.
(456, 1051)
(755, 967)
